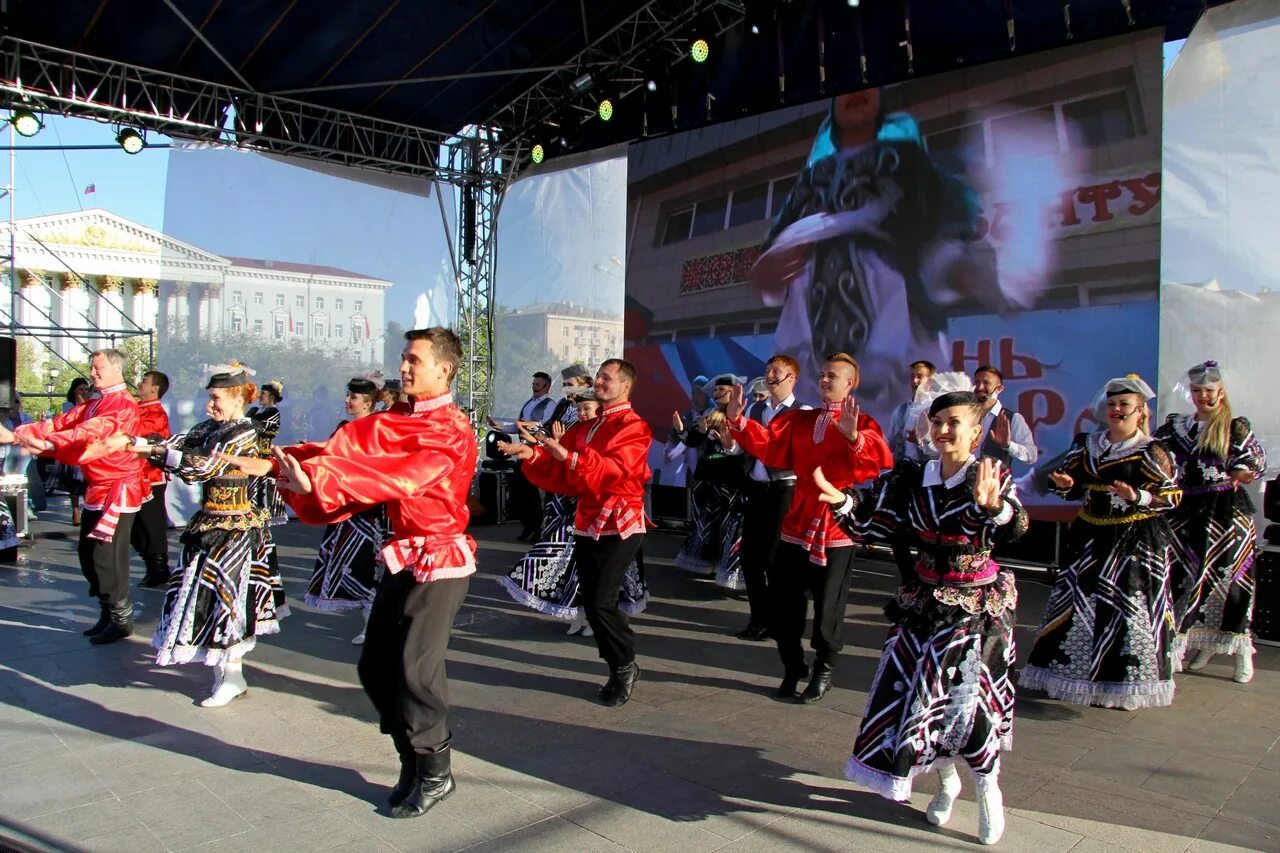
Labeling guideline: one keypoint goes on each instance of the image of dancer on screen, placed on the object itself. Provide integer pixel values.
(873, 246)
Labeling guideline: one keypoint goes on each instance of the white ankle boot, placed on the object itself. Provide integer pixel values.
(1201, 660)
(358, 639)
(1244, 667)
(990, 808)
(228, 683)
(939, 811)
(579, 625)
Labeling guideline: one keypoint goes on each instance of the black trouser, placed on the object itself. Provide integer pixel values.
(105, 565)
(524, 501)
(602, 564)
(402, 662)
(829, 586)
(767, 504)
(150, 537)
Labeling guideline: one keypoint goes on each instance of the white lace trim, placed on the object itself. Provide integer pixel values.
(1218, 642)
(1104, 694)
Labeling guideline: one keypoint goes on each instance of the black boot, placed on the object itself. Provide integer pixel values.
(622, 680)
(432, 782)
(408, 770)
(157, 576)
(819, 684)
(121, 624)
(790, 681)
(104, 619)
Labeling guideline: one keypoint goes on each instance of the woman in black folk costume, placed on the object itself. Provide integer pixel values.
(225, 594)
(1108, 630)
(942, 695)
(545, 579)
(1216, 454)
(267, 415)
(347, 571)
(716, 494)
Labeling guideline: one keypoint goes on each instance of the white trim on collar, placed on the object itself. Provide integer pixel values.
(112, 389)
(620, 407)
(433, 403)
(933, 473)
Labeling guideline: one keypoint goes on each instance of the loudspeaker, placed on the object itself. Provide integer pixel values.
(491, 489)
(1266, 602)
(8, 371)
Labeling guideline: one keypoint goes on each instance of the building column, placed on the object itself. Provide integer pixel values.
(110, 308)
(213, 325)
(144, 303)
(176, 310)
(31, 288)
(200, 328)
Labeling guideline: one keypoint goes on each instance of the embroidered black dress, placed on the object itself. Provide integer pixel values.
(943, 692)
(1107, 634)
(716, 498)
(225, 595)
(1217, 537)
(266, 495)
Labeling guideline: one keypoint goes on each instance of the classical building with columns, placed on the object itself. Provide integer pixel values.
(88, 279)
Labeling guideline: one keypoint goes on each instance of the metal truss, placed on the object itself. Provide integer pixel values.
(49, 79)
(475, 260)
(655, 33)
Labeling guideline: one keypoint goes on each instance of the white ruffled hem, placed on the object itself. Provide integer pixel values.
(336, 605)
(212, 656)
(898, 788)
(1104, 694)
(1218, 642)
(560, 611)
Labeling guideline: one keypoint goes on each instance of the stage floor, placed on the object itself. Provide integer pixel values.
(102, 750)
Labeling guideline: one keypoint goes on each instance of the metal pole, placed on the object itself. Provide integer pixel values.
(13, 240)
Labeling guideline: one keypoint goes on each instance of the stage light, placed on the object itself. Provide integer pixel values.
(755, 29)
(583, 84)
(699, 50)
(651, 85)
(538, 154)
(130, 140)
(605, 111)
(25, 122)
(853, 4)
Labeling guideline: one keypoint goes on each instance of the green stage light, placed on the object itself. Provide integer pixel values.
(538, 154)
(699, 50)
(606, 110)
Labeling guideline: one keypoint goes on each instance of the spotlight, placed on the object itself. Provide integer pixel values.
(651, 85)
(130, 140)
(699, 50)
(853, 4)
(755, 29)
(583, 84)
(25, 122)
(605, 111)
(538, 154)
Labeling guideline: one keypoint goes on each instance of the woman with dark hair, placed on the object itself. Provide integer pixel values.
(267, 416)
(347, 570)
(224, 594)
(69, 478)
(942, 696)
(1107, 634)
(1217, 453)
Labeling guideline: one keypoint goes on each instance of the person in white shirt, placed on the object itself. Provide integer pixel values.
(1005, 434)
(768, 497)
(524, 498)
(900, 443)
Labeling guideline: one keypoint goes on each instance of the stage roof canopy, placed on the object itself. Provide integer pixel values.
(382, 83)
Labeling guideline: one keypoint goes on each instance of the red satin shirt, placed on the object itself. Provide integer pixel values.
(606, 471)
(805, 439)
(153, 423)
(420, 464)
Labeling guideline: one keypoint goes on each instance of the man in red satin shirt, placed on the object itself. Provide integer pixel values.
(117, 487)
(603, 463)
(816, 554)
(150, 535)
(418, 460)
